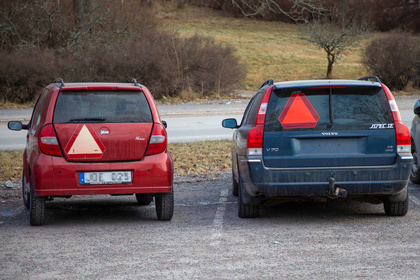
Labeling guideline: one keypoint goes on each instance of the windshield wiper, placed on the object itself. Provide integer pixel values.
(88, 120)
(331, 110)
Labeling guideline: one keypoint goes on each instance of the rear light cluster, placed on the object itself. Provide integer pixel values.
(254, 143)
(48, 142)
(158, 140)
(401, 131)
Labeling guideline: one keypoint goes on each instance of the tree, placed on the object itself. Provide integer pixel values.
(332, 26)
(333, 39)
(296, 10)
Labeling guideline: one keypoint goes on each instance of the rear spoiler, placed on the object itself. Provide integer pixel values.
(371, 79)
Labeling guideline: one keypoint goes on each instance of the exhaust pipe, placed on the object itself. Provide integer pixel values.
(262, 196)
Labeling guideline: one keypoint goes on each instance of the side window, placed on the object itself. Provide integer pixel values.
(246, 113)
(36, 117)
(253, 108)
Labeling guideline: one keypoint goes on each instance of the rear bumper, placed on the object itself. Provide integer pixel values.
(53, 176)
(357, 181)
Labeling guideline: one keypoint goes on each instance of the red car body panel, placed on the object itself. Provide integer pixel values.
(58, 176)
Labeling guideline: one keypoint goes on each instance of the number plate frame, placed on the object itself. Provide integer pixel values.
(105, 178)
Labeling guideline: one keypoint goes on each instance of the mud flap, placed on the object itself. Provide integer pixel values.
(399, 197)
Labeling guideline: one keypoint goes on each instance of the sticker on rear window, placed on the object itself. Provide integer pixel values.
(298, 112)
(382, 126)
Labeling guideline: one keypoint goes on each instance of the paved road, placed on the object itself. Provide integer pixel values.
(114, 238)
(190, 121)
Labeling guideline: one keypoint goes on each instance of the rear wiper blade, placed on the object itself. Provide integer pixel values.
(88, 120)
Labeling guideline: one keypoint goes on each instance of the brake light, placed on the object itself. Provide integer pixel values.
(402, 133)
(254, 143)
(158, 140)
(48, 142)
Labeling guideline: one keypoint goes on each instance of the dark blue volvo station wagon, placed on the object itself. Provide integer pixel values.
(321, 140)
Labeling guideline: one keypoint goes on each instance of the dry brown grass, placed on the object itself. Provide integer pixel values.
(11, 165)
(266, 49)
(201, 158)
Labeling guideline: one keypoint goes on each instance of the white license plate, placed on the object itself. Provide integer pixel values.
(100, 178)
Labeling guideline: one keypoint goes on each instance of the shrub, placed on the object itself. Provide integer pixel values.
(395, 59)
(24, 72)
(127, 43)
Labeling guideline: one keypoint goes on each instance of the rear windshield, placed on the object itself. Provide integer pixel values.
(102, 106)
(353, 108)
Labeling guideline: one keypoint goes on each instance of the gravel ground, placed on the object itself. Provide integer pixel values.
(114, 238)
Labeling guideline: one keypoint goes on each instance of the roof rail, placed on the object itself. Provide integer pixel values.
(269, 82)
(135, 83)
(60, 81)
(371, 79)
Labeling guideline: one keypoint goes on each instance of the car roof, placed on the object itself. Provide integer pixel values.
(97, 86)
(326, 83)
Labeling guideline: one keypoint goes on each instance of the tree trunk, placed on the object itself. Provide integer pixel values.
(80, 8)
(180, 4)
(331, 60)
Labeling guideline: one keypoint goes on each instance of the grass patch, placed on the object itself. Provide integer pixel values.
(201, 158)
(11, 165)
(190, 159)
(266, 49)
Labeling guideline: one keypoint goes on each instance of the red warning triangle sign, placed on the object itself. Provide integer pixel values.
(84, 144)
(298, 113)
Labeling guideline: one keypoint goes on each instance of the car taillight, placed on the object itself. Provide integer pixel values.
(401, 131)
(254, 143)
(158, 140)
(48, 142)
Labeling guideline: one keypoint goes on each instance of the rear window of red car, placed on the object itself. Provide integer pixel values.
(102, 106)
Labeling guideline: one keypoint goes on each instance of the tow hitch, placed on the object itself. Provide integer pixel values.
(335, 191)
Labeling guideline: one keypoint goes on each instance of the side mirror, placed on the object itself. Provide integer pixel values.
(229, 123)
(17, 126)
(165, 124)
(417, 107)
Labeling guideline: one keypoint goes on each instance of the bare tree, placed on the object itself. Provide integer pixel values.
(328, 25)
(47, 23)
(336, 32)
(180, 4)
(297, 10)
(334, 40)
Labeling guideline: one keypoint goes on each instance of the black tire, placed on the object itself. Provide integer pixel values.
(246, 210)
(235, 187)
(144, 198)
(396, 208)
(25, 194)
(415, 166)
(36, 208)
(164, 205)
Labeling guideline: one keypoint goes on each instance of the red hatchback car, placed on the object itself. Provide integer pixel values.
(96, 138)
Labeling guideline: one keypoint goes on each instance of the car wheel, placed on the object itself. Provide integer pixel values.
(246, 210)
(415, 166)
(234, 186)
(144, 198)
(25, 193)
(164, 205)
(396, 208)
(36, 207)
